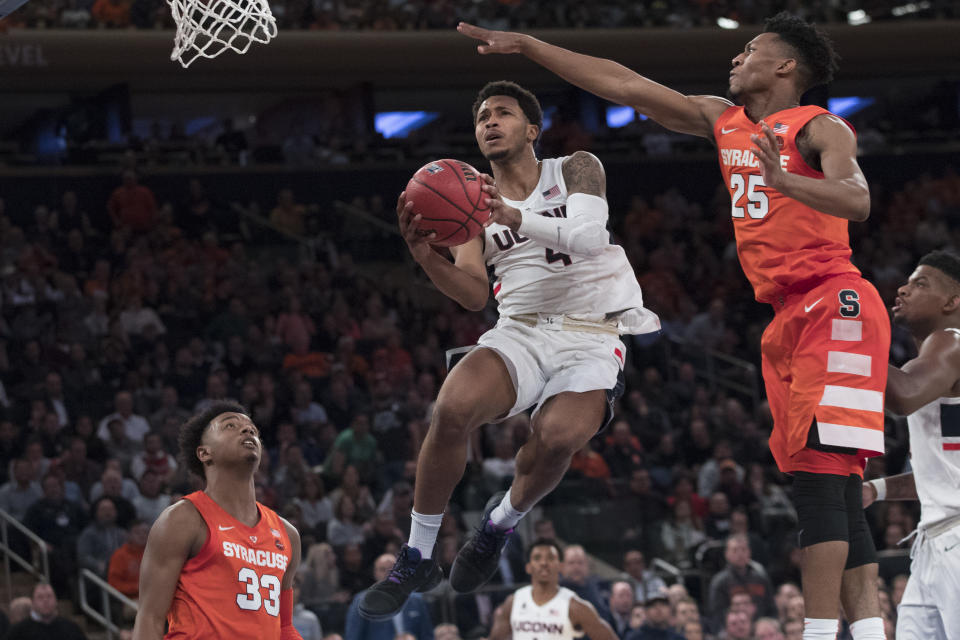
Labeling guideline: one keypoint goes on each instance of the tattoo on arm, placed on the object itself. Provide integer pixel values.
(583, 173)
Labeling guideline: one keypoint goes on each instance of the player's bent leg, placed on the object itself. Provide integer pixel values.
(561, 427)
(479, 389)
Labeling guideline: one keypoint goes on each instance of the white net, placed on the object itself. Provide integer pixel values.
(207, 28)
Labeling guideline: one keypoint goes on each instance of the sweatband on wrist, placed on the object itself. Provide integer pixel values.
(582, 232)
(880, 486)
(286, 608)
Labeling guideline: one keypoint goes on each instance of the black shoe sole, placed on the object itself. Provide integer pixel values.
(434, 578)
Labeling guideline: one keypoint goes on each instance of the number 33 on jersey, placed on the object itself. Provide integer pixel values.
(231, 588)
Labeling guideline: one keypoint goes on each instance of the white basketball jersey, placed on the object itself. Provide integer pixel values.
(528, 621)
(530, 278)
(935, 458)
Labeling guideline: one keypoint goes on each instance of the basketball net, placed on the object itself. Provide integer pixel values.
(207, 28)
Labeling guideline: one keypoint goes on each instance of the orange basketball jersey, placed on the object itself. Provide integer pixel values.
(231, 588)
(784, 245)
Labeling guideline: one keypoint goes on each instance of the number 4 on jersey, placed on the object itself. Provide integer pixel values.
(757, 203)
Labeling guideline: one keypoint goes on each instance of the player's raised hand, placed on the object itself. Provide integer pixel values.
(418, 241)
(500, 212)
(767, 152)
(497, 41)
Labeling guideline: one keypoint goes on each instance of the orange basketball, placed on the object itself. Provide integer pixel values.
(448, 196)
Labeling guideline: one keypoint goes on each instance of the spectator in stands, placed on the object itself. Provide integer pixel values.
(744, 603)
(736, 626)
(692, 630)
(793, 630)
(43, 622)
(137, 319)
(622, 451)
(100, 538)
(414, 618)
(577, 576)
(55, 400)
(681, 535)
(740, 524)
(379, 533)
(306, 412)
(768, 629)
(132, 205)
(59, 522)
(321, 577)
(355, 446)
(620, 604)
(154, 458)
(316, 509)
(686, 610)
(345, 528)
(135, 427)
(785, 592)
(123, 570)
(717, 523)
(645, 582)
(113, 485)
(77, 467)
(151, 500)
(656, 625)
(709, 476)
(740, 575)
(288, 216)
(304, 621)
(17, 495)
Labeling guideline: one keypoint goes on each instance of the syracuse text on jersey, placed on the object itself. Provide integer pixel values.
(256, 557)
(745, 158)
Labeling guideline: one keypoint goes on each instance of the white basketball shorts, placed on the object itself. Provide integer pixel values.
(930, 609)
(544, 362)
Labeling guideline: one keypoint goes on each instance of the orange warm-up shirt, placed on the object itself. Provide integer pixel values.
(231, 588)
(784, 246)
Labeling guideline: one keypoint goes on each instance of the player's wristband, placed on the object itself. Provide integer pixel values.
(880, 486)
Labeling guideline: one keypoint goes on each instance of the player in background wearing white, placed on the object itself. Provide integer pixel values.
(544, 609)
(565, 295)
(927, 391)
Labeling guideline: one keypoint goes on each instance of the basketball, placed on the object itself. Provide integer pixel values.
(448, 195)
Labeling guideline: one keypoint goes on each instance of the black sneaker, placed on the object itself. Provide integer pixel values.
(477, 561)
(410, 573)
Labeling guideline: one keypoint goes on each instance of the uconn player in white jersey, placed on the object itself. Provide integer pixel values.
(927, 390)
(565, 295)
(544, 610)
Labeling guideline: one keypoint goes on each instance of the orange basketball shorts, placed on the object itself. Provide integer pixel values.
(825, 369)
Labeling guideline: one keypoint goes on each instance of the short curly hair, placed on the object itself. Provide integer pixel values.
(945, 262)
(525, 98)
(816, 56)
(191, 433)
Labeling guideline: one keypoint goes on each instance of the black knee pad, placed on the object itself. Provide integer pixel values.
(862, 550)
(821, 508)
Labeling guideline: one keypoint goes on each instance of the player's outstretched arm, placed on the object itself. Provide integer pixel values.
(584, 616)
(609, 80)
(465, 280)
(501, 621)
(927, 377)
(843, 192)
(178, 532)
(900, 487)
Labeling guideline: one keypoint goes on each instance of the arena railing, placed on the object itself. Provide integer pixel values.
(42, 572)
(720, 370)
(107, 592)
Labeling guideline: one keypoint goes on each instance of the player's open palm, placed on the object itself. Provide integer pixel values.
(496, 41)
(418, 241)
(767, 152)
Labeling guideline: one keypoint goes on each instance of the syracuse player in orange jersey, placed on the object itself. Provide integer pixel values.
(218, 564)
(794, 183)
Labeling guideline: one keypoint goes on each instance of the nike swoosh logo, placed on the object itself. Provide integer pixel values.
(223, 528)
(807, 308)
(725, 131)
(951, 547)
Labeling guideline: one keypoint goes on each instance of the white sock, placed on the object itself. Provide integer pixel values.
(868, 629)
(820, 629)
(423, 532)
(504, 516)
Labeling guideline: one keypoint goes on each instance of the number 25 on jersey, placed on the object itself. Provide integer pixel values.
(755, 204)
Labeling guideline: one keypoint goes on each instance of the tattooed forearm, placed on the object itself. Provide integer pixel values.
(583, 173)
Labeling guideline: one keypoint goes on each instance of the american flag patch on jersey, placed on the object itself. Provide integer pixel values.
(552, 192)
(779, 127)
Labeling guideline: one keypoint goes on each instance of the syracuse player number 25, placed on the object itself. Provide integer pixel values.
(757, 202)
